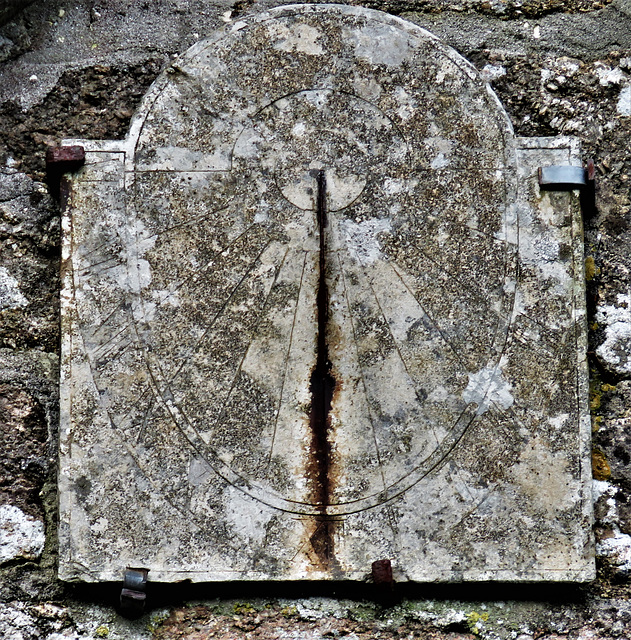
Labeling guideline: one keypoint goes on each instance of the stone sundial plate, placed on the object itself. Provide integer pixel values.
(316, 313)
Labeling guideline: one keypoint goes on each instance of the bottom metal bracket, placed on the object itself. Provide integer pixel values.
(570, 177)
(382, 574)
(133, 594)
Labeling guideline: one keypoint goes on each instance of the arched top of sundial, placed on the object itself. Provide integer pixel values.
(369, 79)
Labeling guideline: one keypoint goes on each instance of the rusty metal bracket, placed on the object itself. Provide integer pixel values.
(383, 581)
(60, 160)
(382, 574)
(134, 592)
(564, 177)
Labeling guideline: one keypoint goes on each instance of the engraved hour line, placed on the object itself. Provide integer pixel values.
(286, 364)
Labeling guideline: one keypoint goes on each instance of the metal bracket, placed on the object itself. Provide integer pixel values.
(60, 160)
(133, 594)
(565, 177)
(383, 582)
(382, 574)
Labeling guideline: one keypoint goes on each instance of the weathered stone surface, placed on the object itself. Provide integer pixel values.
(25, 434)
(55, 36)
(29, 281)
(455, 326)
(579, 35)
(82, 103)
(29, 414)
(433, 619)
(8, 8)
(21, 537)
(615, 319)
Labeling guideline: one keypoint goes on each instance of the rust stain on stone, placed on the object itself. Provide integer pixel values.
(323, 386)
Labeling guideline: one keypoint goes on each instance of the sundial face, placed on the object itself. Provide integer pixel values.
(301, 332)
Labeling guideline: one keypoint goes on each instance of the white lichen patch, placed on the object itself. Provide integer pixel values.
(367, 88)
(247, 518)
(172, 158)
(21, 536)
(166, 297)
(10, 295)
(624, 102)
(380, 44)
(439, 162)
(541, 250)
(543, 476)
(492, 72)
(362, 238)
(486, 387)
(603, 491)
(17, 624)
(443, 148)
(616, 349)
(303, 39)
(617, 549)
(560, 421)
(447, 70)
(607, 75)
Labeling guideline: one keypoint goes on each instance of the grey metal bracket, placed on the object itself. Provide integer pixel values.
(565, 177)
(133, 594)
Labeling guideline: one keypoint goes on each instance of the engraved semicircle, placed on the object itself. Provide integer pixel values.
(419, 173)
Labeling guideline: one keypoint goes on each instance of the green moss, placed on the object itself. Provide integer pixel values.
(475, 620)
(156, 620)
(243, 608)
(362, 613)
(102, 631)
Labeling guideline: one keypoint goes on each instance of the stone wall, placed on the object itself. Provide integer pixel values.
(79, 69)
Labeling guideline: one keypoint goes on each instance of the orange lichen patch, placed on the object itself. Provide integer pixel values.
(600, 467)
(590, 268)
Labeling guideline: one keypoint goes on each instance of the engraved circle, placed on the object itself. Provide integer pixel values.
(320, 129)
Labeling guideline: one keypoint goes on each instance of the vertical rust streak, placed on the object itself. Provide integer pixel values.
(322, 387)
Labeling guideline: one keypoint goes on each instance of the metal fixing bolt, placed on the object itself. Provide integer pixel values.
(382, 573)
(133, 594)
(74, 155)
